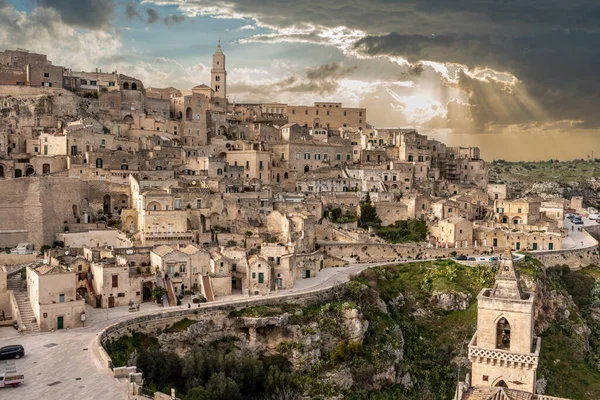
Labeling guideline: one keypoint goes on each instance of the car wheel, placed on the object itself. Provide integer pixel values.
(18, 356)
(15, 384)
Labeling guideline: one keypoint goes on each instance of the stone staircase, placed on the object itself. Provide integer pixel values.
(19, 288)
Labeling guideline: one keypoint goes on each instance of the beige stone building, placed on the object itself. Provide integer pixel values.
(455, 232)
(327, 115)
(504, 350)
(525, 211)
(54, 299)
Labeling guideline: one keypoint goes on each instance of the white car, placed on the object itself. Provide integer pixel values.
(594, 216)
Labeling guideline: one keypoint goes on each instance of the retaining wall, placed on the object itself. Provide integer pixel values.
(160, 320)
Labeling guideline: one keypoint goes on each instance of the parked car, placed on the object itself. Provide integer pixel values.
(493, 258)
(461, 258)
(594, 216)
(577, 221)
(471, 259)
(482, 259)
(569, 215)
(13, 351)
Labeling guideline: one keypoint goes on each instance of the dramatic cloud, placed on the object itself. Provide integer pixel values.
(152, 16)
(548, 48)
(91, 14)
(41, 31)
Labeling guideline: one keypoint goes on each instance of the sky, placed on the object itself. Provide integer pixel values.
(518, 78)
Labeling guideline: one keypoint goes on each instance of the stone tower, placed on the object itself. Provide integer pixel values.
(218, 73)
(504, 351)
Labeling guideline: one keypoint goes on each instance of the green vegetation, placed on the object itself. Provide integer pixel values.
(158, 293)
(547, 171)
(413, 230)
(120, 350)
(217, 371)
(397, 303)
(401, 232)
(337, 217)
(263, 311)
(180, 326)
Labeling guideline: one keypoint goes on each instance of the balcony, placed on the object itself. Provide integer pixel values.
(504, 357)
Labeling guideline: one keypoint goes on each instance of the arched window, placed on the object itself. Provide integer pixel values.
(503, 334)
(99, 163)
(285, 175)
(126, 86)
(219, 171)
(306, 168)
(124, 167)
(134, 86)
(188, 113)
(29, 170)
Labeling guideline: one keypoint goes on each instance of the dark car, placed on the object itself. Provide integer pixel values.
(577, 221)
(462, 258)
(14, 351)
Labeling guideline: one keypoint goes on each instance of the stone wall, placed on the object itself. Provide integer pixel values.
(368, 252)
(574, 258)
(16, 259)
(150, 323)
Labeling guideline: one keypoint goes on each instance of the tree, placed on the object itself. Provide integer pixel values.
(368, 214)
(158, 293)
(220, 387)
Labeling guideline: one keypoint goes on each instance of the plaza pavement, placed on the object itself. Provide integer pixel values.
(62, 365)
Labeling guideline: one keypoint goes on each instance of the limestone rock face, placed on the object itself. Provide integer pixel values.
(341, 378)
(451, 300)
(540, 385)
(356, 327)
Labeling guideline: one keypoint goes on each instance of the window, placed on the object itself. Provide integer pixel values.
(112, 104)
(261, 277)
(217, 88)
(327, 112)
(115, 281)
(347, 157)
(325, 156)
(83, 82)
(307, 156)
(294, 112)
(120, 294)
(111, 84)
(93, 83)
(297, 156)
(338, 157)
(260, 165)
(344, 113)
(247, 164)
(177, 204)
(198, 203)
(46, 75)
(61, 298)
(317, 156)
(254, 275)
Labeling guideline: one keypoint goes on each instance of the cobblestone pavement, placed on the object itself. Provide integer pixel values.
(62, 365)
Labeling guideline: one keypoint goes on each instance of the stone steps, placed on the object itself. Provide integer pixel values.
(17, 285)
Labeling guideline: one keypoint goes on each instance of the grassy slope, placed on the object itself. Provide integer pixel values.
(558, 171)
(432, 340)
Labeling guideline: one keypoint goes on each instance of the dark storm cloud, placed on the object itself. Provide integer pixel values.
(173, 19)
(557, 68)
(131, 11)
(152, 16)
(320, 80)
(550, 46)
(91, 14)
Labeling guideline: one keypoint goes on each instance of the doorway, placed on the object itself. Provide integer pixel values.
(60, 322)
(146, 293)
(111, 302)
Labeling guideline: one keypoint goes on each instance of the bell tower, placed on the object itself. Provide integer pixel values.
(218, 74)
(504, 351)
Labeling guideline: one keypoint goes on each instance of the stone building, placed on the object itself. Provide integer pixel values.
(504, 351)
(327, 115)
(54, 299)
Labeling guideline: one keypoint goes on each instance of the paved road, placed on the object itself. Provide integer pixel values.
(62, 364)
(576, 238)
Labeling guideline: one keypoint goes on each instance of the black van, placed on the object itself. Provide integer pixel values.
(14, 351)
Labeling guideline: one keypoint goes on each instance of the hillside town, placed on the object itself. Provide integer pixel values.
(115, 194)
